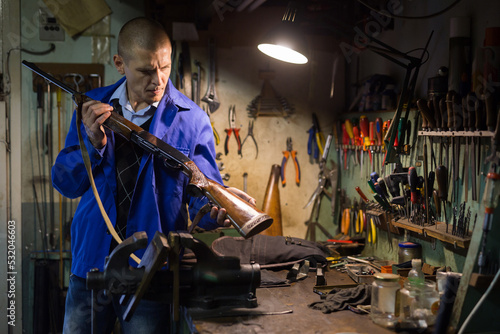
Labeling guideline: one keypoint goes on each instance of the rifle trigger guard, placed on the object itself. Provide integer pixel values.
(168, 164)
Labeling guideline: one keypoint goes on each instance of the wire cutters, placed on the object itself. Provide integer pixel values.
(250, 134)
(286, 154)
(232, 128)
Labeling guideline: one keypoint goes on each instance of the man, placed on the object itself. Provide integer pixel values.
(138, 192)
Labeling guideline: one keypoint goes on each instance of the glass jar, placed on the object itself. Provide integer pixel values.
(409, 251)
(426, 304)
(383, 305)
(419, 304)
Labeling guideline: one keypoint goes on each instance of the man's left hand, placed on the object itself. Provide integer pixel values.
(220, 214)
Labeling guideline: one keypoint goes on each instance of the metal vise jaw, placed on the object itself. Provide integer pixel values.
(118, 277)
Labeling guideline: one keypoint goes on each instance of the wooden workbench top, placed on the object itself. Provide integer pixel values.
(286, 311)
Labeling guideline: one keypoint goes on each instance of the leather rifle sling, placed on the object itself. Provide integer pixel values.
(88, 167)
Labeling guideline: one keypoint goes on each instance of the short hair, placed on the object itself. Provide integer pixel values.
(141, 32)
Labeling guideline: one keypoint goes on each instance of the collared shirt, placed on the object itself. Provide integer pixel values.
(137, 117)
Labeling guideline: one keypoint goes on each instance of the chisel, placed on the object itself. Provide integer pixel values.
(442, 180)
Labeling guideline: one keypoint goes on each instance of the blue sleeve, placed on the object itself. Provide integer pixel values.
(69, 175)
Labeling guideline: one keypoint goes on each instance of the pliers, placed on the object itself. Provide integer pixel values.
(250, 134)
(316, 139)
(286, 154)
(232, 128)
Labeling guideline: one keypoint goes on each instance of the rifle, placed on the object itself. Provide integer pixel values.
(247, 219)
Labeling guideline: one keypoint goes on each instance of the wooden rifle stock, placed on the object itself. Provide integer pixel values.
(246, 218)
(272, 205)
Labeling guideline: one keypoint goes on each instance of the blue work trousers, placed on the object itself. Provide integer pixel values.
(149, 317)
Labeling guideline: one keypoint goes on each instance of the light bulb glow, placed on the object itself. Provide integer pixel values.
(282, 53)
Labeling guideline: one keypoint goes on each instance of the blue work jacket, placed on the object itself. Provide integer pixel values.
(159, 200)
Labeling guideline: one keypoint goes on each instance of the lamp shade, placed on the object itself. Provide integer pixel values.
(285, 42)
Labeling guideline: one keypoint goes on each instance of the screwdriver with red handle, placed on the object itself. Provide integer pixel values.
(349, 130)
(378, 132)
(345, 142)
(365, 133)
(357, 140)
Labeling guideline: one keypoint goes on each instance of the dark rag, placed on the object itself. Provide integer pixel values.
(339, 299)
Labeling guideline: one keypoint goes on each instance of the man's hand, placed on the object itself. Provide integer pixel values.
(220, 214)
(94, 114)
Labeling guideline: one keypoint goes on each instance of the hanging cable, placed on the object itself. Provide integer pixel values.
(479, 303)
(395, 16)
(51, 48)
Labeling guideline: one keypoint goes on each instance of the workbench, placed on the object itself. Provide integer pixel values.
(290, 312)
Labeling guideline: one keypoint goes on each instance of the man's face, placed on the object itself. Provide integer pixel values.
(147, 74)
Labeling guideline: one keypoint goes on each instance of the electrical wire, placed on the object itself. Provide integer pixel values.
(479, 303)
(51, 48)
(395, 16)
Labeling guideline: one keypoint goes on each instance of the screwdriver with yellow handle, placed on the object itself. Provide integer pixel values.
(372, 232)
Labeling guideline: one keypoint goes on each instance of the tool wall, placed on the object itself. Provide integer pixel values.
(262, 95)
(447, 177)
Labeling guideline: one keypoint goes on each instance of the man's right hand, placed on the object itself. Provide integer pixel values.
(94, 114)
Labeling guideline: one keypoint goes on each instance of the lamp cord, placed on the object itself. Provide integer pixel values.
(479, 303)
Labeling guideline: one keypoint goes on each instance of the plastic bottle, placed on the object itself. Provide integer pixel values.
(416, 276)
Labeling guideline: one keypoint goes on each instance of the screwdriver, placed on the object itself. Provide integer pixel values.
(413, 181)
(442, 180)
(426, 114)
(345, 142)
(349, 130)
(392, 187)
(378, 132)
(365, 134)
(357, 140)
(437, 202)
(372, 144)
(363, 196)
(381, 183)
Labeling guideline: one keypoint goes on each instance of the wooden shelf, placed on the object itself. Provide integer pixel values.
(438, 231)
(407, 225)
(481, 281)
(456, 133)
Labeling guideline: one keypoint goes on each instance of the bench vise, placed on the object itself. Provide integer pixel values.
(207, 281)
